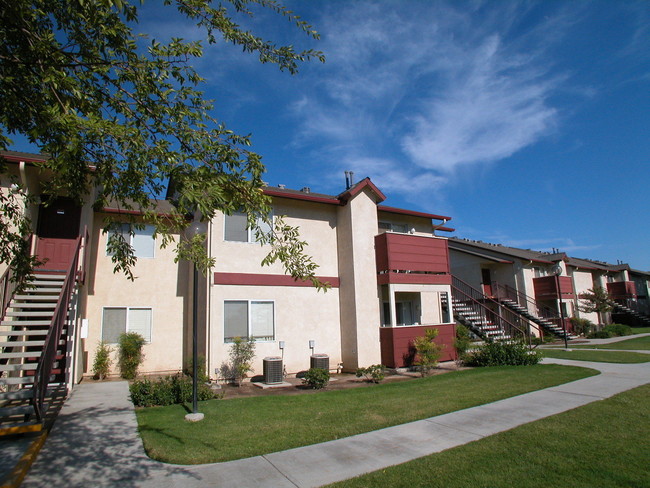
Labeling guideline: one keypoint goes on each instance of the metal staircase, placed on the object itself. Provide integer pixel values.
(33, 340)
(637, 318)
(486, 317)
(545, 317)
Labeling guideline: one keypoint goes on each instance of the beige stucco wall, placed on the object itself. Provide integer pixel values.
(301, 314)
(582, 281)
(360, 318)
(160, 284)
(421, 225)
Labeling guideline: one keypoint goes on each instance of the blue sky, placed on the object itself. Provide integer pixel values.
(527, 122)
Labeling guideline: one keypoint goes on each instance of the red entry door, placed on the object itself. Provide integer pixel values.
(486, 281)
(57, 231)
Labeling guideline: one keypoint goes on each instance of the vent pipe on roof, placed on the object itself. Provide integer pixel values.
(306, 189)
(347, 180)
(281, 186)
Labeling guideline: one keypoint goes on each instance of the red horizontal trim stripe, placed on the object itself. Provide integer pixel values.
(121, 211)
(253, 279)
(383, 208)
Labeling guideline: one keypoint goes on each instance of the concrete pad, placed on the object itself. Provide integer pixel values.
(264, 386)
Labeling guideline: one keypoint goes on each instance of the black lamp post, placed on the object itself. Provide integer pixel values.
(195, 228)
(557, 270)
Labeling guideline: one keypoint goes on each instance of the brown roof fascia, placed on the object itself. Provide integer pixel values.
(413, 213)
(358, 187)
(301, 196)
(23, 157)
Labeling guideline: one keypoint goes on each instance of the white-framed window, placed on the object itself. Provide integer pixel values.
(118, 320)
(236, 227)
(142, 240)
(249, 319)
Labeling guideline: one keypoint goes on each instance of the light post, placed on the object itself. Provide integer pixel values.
(195, 228)
(557, 270)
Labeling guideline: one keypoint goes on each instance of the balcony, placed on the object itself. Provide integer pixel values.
(622, 290)
(546, 288)
(411, 259)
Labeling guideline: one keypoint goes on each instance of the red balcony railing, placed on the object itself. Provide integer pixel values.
(405, 258)
(546, 288)
(622, 289)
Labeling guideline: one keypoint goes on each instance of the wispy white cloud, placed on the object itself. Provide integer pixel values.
(437, 85)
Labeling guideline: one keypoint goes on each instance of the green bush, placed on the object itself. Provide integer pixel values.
(169, 390)
(241, 356)
(317, 378)
(374, 373)
(130, 354)
(502, 353)
(462, 342)
(427, 351)
(582, 326)
(612, 330)
(102, 362)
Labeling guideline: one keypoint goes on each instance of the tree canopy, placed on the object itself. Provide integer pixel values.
(123, 112)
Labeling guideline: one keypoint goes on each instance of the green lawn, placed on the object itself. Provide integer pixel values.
(641, 330)
(246, 427)
(605, 444)
(636, 343)
(598, 356)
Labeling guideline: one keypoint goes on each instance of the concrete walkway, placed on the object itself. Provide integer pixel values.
(94, 442)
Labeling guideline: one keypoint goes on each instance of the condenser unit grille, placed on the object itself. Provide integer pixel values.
(272, 367)
(321, 361)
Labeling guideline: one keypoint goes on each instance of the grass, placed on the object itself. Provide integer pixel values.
(605, 444)
(245, 427)
(636, 343)
(598, 356)
(641, 330)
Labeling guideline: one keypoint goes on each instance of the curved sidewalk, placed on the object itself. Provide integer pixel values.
(95, 443)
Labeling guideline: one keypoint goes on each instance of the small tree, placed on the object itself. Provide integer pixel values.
(427, 351)
(596, 300)
(130, 354)
(241, 354)
(102, 362)
(462, 342)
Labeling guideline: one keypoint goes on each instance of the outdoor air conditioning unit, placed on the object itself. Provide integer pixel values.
(321, 361)
(272, 370)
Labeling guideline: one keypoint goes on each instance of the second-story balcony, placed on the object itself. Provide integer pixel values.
(553, 288)
(406, 258)
(622, 290)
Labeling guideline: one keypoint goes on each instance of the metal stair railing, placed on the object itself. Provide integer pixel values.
(510, 323)
(535, 309)
(48, 356)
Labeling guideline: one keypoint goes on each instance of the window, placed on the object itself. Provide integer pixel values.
(235, 228)
(249, 320)
(118, 320)
(141, 241)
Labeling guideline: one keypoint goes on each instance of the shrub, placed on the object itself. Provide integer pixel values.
(374, 373)
(102, 362)
(462, 342)
(582, 326)
(188, 370)
(130, 354)
(502, 353)
(169, 390)
(317, 378)
(612, 330)
(241, 354)
(427, 351)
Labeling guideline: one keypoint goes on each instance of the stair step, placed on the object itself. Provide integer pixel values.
(18, 333)
(22, 343)
(17, 355)
(18, 367)
(44, 298)
(17, 410)
(46, 305)
(24, 394)
(17, 380)
(21, 428)
(41, 313)
(27, 323)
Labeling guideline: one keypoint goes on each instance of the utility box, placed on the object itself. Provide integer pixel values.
(321, 361)
(272, 367)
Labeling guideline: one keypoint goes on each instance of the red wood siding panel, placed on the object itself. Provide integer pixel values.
(397, 343)
(546, 288)
(411, 253)
(413, 279)
(622, 289)
(253, 279)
